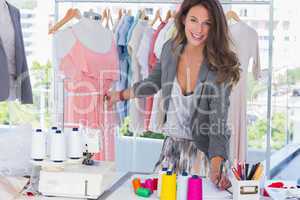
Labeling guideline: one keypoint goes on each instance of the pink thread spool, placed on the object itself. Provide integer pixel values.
(195, 188)
(149, 185)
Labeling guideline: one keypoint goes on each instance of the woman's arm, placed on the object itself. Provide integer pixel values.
(219, 134)
(144, 88)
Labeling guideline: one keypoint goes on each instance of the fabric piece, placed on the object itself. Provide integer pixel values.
(245, 44)
(137, 105)
(11, 187)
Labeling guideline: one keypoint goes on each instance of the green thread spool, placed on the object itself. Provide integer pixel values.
(143, 192)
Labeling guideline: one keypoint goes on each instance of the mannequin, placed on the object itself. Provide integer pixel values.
(14, 75)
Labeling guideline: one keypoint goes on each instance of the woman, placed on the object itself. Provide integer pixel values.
(195, 73)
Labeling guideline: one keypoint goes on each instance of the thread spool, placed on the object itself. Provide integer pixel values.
(160, 174)
(168, 189)
(74, 145)
(38, 146)
(51, 131)
(58, 147)
(143, 192)
(182, 186)
(149, 185)
(155, 183)
(136, 183)
(194, 188)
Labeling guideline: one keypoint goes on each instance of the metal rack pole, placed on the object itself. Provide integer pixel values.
(270, 71)
(158, 1)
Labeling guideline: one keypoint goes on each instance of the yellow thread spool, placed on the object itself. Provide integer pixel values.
(168, 189)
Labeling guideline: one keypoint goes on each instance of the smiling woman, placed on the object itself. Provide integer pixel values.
(195, 73)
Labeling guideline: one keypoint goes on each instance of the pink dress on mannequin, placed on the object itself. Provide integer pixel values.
(89, 75)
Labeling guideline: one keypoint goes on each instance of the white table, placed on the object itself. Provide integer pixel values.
(124, 191)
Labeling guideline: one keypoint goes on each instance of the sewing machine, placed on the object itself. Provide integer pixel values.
(77, 180)
(83, 178)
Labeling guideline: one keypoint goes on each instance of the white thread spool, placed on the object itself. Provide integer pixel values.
(48, 139)
(58, 147)
(182, 186)
(38, 146)
(74, 144)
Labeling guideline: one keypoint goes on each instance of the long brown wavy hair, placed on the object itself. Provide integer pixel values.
(217, 49)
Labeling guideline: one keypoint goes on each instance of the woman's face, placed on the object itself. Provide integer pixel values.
(197, 25)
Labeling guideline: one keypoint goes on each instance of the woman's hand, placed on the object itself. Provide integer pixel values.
(219, 179)
(112, 97)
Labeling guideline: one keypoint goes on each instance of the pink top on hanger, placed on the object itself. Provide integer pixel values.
(89, 74)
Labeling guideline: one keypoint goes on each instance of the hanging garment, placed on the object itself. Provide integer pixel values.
(152, 63)
(124, 60)
(136, 106)
(162, 38)
(164, 35)
(14, 76)
(142, 54)
(87, 56)
(245, 44)
(143, 59)
(152, 57)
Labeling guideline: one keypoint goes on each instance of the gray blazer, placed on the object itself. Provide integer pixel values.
(21, 64)
(211, 101)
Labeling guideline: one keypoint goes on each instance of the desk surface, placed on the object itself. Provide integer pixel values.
(122, 189)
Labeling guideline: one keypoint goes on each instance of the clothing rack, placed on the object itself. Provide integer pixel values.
(269, 3)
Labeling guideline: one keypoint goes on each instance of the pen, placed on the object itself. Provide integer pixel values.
(258, 172)
(246, 171)
(252, 171)
(234, 171)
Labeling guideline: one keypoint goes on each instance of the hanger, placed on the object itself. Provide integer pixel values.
(120, 14)
(104, 16)
(169, 15)
(157, 17)
(128, 12)
(232, 15)
(110, 17)
(143, 15)
(71, 13)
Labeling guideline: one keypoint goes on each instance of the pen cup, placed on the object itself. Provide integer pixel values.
(246, 190)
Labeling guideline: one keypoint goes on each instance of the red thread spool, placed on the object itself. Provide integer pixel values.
(155, 183)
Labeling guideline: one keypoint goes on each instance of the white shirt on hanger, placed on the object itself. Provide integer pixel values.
(7, 35)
